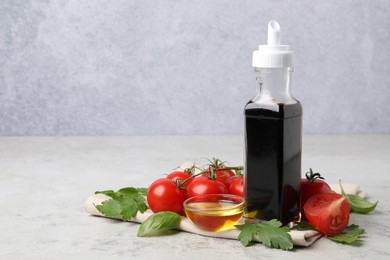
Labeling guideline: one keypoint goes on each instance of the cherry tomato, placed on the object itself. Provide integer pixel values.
(311, 185)
(328, 213)
(236, 186)
(224, 176)
(164, 195)
(203, 185)
(180, 176)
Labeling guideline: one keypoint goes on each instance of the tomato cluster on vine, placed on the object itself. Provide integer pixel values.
(168, 194)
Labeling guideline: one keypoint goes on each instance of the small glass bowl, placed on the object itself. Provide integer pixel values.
(214, 212)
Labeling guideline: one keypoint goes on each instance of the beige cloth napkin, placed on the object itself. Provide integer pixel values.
(300, 238)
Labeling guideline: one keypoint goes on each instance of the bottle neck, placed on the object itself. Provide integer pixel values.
(274, 86)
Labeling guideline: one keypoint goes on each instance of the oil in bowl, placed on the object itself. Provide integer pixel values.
(214, 212)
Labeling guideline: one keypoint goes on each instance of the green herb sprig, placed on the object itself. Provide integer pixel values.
(126, 202)
(357, 203)
(349, 236)
(270, 233)
(159, 224)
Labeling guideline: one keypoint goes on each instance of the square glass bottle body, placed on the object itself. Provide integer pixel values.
(273, 144)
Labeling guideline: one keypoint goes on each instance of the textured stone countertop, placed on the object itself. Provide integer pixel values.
(44, 182)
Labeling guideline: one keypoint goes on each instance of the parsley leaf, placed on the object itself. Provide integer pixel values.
(129, 208)
(270, 233)
(142, 191)
(110, 208)
(161, 223)
(246, 234)
(357, 203)
(350, 235)
(109, 193)
(128, 191)
(126, 202)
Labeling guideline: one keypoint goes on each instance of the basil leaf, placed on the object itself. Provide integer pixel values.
(360, 205)
(161, 223)
(350, 235)
(357, 203)
(303, 226)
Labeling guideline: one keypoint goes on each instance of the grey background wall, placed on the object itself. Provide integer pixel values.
(80, 67)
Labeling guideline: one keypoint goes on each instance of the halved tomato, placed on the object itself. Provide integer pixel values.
(328, 213)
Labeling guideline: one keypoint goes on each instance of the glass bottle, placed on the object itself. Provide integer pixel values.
(273, 136)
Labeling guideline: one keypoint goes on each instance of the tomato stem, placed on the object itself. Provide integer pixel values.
(181, 185)
(213, 172)
(312, 176)
(211, 175)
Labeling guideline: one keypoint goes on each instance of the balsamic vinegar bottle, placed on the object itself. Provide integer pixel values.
(273, 136)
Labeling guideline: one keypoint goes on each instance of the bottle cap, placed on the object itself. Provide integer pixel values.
(273, 55)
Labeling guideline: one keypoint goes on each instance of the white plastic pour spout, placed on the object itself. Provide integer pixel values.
(273, 33)
(273, 55)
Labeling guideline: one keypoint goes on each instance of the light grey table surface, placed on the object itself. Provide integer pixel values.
(44, 182)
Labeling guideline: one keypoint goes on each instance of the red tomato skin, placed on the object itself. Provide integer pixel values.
(181, 176)
(328, 213)
(203, 185)
(224, 176)
(236, 187)
(164, 195)
(309, 189)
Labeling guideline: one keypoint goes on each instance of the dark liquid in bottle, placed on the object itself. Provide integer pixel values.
(273, 161)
